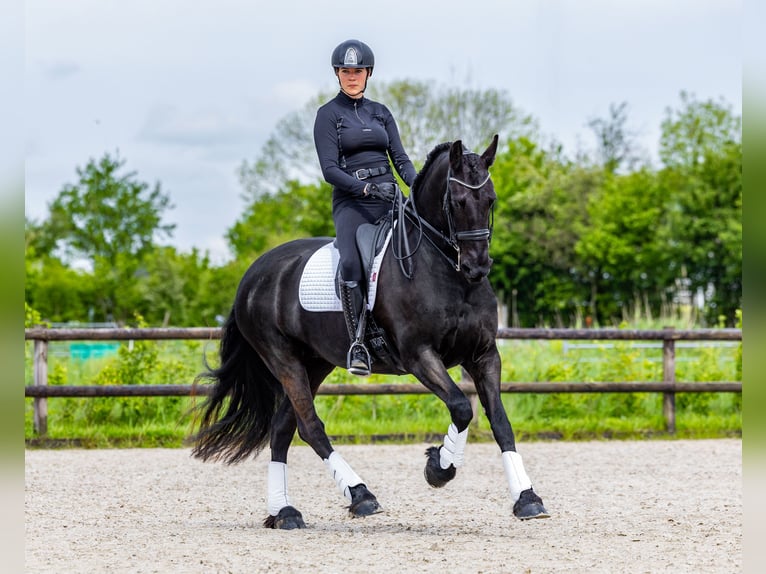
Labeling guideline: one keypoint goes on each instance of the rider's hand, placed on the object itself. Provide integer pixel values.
(384, 191)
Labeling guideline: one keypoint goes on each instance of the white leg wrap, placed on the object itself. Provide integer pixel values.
(518, 480)
(342, 473)
(277, 484)
(454, 447)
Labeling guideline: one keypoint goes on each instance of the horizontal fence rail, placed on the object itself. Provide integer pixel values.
(389, 389)
(40, 390)
(210, 333)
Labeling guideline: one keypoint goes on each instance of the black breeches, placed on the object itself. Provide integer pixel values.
(348, 217)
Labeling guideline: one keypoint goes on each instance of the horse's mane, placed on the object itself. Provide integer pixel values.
(430, 158)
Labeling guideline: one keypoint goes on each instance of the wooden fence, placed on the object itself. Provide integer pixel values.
(40, 390)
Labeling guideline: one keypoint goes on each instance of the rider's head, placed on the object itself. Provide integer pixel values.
(353, 62)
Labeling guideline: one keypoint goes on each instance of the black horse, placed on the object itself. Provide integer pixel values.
(437, 310)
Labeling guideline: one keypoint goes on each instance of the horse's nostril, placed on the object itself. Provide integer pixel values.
(475, 274)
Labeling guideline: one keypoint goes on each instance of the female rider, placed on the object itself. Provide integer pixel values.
(355, 138)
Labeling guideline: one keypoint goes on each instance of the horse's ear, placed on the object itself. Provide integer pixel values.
(456, 155)
(489, 154)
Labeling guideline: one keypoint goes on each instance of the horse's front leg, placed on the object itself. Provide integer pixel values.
(443, 461)
(486, 376)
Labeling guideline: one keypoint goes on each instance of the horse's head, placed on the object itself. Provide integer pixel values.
(468, 207)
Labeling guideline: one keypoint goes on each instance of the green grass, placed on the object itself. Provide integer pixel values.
(165, 421)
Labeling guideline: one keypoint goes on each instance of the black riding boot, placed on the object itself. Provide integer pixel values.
(352, 298)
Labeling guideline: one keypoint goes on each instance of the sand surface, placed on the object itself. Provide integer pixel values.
(655, 506)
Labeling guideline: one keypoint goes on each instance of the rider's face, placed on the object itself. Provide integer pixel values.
(352, 81)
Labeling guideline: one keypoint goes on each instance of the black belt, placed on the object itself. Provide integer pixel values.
(364, 173)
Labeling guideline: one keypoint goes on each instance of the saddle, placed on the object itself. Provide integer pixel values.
(371, 239)
(318, 289)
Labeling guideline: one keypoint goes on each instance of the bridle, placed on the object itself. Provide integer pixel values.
(452, 237)
(482, 234)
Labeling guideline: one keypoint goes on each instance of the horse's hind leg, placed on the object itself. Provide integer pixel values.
(300, 386)
(282, 514)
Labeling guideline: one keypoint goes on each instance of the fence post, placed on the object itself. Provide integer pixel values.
(669, 376)
(41, 378)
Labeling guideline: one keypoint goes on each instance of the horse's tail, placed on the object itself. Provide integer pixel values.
(235, 419)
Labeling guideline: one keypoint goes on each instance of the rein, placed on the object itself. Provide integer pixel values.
(407, 210)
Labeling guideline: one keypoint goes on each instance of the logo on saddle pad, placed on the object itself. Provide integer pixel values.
(316, 291)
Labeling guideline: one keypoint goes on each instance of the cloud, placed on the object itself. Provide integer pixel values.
(60, 70)
(166, 124)
(293, 95)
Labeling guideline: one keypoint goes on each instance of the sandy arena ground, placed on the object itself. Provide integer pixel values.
(655, 506)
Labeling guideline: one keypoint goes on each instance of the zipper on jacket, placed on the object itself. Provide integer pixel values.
(358, 116)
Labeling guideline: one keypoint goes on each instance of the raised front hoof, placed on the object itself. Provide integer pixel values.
(288, 518)
(435, 475)
(529, 506)
(363, 502)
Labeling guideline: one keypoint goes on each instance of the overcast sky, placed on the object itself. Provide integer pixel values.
(186, 90)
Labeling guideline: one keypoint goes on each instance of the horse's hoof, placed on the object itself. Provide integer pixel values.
(435, 475)
(529, 505)
(288, 518)
(363, 502)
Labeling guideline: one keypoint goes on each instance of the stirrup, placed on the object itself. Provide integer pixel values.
(355, 364)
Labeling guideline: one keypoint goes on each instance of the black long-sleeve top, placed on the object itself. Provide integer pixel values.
(351, 134)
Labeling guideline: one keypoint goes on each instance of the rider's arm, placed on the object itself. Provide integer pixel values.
(401, 160)
(326, 143)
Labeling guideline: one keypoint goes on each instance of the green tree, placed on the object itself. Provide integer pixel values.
(623, 248)
(108, 218)
(696, 131)
(701, 148)
(540, 199)
(173, 288)
(615, 143)
(58, 292)
(106, 214)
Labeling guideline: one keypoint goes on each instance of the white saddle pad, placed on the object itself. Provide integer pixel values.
(316, 291)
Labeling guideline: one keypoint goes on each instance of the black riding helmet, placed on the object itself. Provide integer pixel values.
(353, 54)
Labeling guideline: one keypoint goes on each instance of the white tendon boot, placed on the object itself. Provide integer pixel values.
(277, 488)
(530, 505)
(282, 514)
(343, 475)
(453, 450)
(518, 481)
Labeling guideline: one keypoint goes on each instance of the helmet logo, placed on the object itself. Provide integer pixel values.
(350, 59)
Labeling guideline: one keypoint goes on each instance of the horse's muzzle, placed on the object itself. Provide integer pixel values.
(475, 273)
